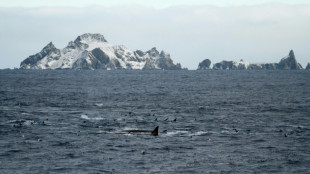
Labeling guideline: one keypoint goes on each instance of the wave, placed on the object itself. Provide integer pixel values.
(99, 104)
(185, 133)
(199, 133)
(88, 118)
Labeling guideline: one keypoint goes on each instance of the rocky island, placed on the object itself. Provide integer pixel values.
(92, 51)
(287, 63)
(204, 65)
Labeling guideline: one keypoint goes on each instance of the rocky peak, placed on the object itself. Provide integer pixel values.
(49, 46)
(291, 54)
(289, 62)
(153, 52)
(163, 54)
(85, 40)
(308, 66)
(153, 49)
(48, 49)
(89, 37)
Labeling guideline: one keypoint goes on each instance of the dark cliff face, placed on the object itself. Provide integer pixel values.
(224, 65)
(308, 66)
(264, 66)
(230, 65)
(97, 60)
(270, 66)
(204, 65)
(102, 57)
(149, 65)
(32, 60)
(289, 62)
(163, 60)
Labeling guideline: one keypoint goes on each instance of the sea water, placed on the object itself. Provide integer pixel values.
(67, 121)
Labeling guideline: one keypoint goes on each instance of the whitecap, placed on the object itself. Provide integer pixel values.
(84, 117)
(22, 121)
(120, 119)
(198, 133)
(88, 118)
(176, 133)
(129, 128)
(225, 132)
(29, 122)
(103, 132)
(99, 104)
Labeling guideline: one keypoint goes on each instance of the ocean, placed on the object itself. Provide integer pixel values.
(70, 121)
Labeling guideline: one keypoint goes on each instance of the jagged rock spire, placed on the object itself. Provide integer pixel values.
(289, 62)
(308, 66)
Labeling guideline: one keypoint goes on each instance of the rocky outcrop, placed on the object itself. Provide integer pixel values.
(163, 61)
(308, 66)
(287, 63)
(92, 51)
(263, 66)
(224, 65)
(231, 65)
(204, 65)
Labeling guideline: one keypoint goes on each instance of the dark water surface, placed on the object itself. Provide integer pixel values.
(68, 121)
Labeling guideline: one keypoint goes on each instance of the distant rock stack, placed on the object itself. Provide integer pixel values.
(289, 62)
(204, 65)
(308, 67)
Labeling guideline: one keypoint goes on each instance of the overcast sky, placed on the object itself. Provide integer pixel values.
(190, 30)
(148, 3)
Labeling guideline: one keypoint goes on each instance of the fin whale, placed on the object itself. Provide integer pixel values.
(142, 132)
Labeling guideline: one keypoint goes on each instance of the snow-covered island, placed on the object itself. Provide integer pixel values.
(287, 63)
(92, 51)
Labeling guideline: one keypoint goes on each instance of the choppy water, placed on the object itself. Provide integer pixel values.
(226, 121)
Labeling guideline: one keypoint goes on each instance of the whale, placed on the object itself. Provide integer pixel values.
(141, 132)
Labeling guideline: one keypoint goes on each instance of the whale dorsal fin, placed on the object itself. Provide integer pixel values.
(155, 131)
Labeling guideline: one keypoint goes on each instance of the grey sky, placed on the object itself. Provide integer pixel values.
(190, 32)
(147, 3)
